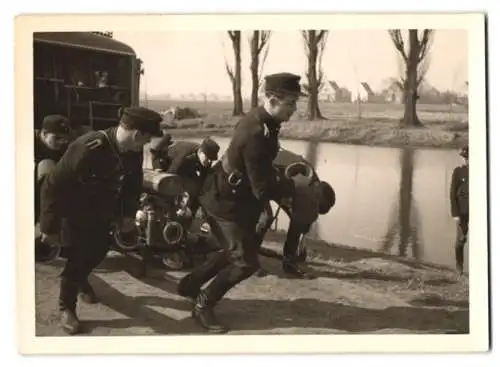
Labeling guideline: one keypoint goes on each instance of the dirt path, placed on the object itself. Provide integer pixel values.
(363, 295)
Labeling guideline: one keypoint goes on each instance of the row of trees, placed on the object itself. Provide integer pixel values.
(413, 54)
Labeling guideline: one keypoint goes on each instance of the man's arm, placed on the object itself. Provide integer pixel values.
(177, 161)
(453, 193)
(159, 152)
(260, 171)
(56, 185)
(132, 186)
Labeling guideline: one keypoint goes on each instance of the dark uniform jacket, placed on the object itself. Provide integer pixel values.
(184, 161)
(459, 191)
(251, 152)
(92, 184)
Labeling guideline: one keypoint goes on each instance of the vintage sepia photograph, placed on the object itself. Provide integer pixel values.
(265, 176)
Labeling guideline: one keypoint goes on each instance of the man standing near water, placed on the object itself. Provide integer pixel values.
(459, 202)
(235, 194)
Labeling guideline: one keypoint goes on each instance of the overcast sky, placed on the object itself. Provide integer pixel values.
(184, 62)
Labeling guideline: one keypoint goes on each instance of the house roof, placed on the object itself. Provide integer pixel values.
(367, 87)
(85, 40)
(334, 84)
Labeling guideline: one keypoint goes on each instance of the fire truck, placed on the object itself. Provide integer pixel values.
(84, 76)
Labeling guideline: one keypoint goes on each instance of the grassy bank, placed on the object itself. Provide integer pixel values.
(367, 124)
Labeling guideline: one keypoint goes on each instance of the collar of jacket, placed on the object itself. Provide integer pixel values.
(111, 133)
(266, 118)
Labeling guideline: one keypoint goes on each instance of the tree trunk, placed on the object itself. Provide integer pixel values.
(238, 100)
(410, 117)
(254, 68)
(312, 103)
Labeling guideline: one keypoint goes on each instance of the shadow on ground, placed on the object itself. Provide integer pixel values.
(258, 315)
(265, 315)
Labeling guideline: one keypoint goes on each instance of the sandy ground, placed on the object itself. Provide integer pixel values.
(354, 294)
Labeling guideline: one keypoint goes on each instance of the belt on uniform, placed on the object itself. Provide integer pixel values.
(234, 177)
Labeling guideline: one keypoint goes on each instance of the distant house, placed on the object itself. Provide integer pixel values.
(331, 92)
(393, 93)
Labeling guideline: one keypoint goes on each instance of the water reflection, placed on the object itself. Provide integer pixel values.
(404, 227)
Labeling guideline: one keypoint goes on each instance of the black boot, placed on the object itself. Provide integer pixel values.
(459, 257)
(204, 315)
(292, 269)
(87, 293)
(67, 306)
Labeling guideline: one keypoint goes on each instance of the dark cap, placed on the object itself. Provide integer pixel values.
(464, 152)
(210, 148)
(142, 119)
(283, 84)
(326, 196)
(56, 124)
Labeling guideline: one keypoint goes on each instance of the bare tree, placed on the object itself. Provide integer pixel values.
(415, 68)
(259, 45)
(314, 46)
(235, 74)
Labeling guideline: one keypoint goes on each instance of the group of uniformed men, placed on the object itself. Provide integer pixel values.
(86, 186)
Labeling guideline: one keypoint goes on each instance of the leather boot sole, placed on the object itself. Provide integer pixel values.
(70, 328)
(298, 275)
(220, 330)
(261, 273)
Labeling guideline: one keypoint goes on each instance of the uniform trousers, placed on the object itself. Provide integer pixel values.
(86, 246)
(295, 230)
(236, 261)
(461, 238)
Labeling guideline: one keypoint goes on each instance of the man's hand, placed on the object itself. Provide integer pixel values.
(127, 224)
(51, 239)
(261, 226)
(456, 218)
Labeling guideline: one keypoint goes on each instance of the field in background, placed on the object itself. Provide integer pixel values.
(445, 126)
